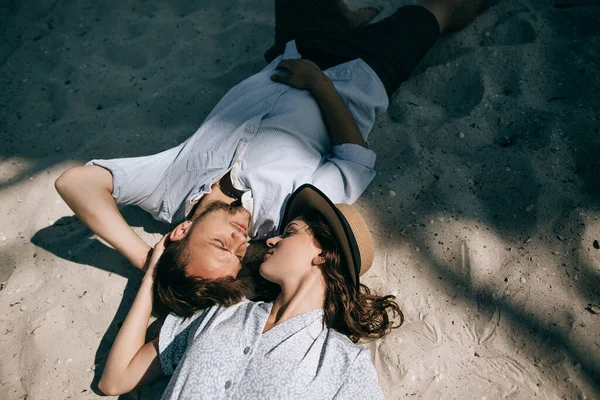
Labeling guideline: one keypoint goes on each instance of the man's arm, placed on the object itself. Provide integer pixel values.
(340, 123)
(304, 74)
(88, 191)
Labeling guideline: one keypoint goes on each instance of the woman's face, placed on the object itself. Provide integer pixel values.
(291, 255)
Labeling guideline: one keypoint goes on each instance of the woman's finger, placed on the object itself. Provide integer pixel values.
(158, 250)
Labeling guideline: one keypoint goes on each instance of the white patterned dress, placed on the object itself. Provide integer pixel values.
(221, 353)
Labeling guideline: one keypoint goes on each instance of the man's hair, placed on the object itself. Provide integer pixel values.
(183, 294)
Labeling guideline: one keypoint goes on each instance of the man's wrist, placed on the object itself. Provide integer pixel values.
(321, 84)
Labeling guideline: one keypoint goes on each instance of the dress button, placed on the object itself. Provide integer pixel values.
(247, 350)
(251, 130)
(228, 384)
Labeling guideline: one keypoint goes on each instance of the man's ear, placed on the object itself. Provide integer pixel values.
(318, 260)
(180, 231)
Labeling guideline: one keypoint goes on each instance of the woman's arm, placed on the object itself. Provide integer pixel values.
(304, 74)
(131, 362)
(88, 191)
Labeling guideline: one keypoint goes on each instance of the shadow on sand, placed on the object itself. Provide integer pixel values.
(522, 142)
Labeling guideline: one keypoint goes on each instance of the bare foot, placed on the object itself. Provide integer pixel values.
(464, 14)
(362, 16)
(359, 17)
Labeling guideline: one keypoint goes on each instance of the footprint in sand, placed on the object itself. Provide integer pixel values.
(509, 31)
(461, 89)
(457, 87)
(441, 93)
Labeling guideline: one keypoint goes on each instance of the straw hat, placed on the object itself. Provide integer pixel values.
(347, 225)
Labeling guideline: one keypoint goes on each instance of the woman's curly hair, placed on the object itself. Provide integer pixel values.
(356, 312)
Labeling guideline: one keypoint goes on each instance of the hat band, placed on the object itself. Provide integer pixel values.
(355, 251)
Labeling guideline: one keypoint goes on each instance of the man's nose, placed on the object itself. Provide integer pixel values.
(238, 236)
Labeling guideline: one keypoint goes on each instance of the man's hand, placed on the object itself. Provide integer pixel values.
(302, 74)
(305, 74)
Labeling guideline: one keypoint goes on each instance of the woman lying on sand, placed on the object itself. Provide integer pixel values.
(301, 345)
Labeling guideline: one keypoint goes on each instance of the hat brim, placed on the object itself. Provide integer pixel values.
(307, 198)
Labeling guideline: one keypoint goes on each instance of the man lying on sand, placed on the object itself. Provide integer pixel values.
(297, 121)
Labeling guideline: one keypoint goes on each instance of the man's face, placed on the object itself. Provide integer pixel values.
(216, 242)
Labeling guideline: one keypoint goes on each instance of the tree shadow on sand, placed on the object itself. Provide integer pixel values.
(527, 172)
(489, 146)
(70, 239)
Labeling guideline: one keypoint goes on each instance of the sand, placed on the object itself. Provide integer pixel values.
(485, 209)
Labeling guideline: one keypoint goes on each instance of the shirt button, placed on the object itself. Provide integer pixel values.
(247, 350)
(228, 384)
(205, 155)
(251, 129)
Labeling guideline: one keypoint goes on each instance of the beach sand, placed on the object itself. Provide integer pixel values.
(485, 210)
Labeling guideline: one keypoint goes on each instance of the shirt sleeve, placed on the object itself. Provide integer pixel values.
(141, 181)
(361, 380)
(346, 173)
(175, 336)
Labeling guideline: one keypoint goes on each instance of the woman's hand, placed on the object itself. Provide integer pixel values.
(302, 74)
(154, 256)
(131, 361)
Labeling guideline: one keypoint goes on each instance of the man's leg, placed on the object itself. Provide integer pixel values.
(313, 19)
(452, 14)
(356, 18)
(394, 46)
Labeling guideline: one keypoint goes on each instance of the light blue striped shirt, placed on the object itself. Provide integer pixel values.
(272, 138)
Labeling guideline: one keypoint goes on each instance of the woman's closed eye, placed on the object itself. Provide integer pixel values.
(286, 233)
(290, 229)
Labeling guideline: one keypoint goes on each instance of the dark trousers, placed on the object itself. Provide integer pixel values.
(393, 47)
